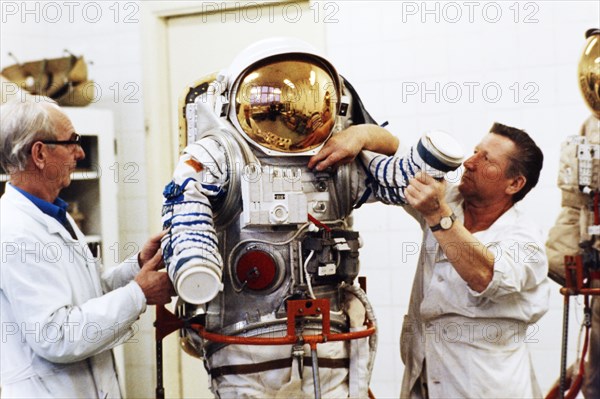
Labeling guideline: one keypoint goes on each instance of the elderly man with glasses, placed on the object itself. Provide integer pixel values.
(60, 313)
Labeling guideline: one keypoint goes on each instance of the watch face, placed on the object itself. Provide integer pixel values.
(446, 222)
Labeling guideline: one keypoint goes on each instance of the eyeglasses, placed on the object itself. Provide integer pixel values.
(74, 139)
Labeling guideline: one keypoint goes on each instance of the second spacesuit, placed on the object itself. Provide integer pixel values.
(577, 228)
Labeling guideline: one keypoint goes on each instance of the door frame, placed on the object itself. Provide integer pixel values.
(157, 110)
(159, 150)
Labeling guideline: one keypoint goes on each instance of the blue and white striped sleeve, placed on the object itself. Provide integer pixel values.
(200, 180)
(388, 176)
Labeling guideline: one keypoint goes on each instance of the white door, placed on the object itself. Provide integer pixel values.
(199, 45)
(203, 43)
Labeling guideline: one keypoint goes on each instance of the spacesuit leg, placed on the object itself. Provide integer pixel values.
(245, 372)
(359, 374)
(240, 381)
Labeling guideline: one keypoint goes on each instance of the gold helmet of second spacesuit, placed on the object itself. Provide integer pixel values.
(286, 103)
(589, 71)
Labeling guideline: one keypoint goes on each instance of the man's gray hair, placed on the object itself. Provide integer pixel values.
(23, 122)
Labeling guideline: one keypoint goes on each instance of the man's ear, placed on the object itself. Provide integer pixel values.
(516, 184)
(39, 154)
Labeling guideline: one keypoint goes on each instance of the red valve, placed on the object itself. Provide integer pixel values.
(257, 270)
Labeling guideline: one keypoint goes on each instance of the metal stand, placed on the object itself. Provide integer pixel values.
(315, 371)
(160, 390)
(563, 353)
(576, 281)
(166, 322)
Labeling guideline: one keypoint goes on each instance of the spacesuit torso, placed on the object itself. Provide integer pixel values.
(271, 251)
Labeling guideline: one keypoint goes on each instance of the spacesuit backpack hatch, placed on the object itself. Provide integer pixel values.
(251, 228)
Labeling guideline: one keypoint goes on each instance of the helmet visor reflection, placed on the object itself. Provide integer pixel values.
(287, 106)
(589, 72)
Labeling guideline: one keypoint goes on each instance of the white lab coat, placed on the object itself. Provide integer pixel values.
(475, 344)
(58, 325)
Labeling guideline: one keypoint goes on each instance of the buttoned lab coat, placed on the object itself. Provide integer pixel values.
(60, 314)
(475, 344)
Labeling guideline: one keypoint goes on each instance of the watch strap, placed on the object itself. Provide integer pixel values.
(438, 226)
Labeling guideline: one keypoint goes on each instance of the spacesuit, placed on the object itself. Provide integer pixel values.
(575, 231)
(251, 227)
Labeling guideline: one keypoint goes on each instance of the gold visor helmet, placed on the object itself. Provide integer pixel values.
(589, 71)
(286, 104)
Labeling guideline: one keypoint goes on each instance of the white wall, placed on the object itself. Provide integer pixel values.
(390, 50)
(385, 49)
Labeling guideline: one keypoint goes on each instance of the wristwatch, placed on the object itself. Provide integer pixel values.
(445, 223)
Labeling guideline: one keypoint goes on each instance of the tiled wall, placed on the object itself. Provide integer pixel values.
(386, 49)
(392, 52)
